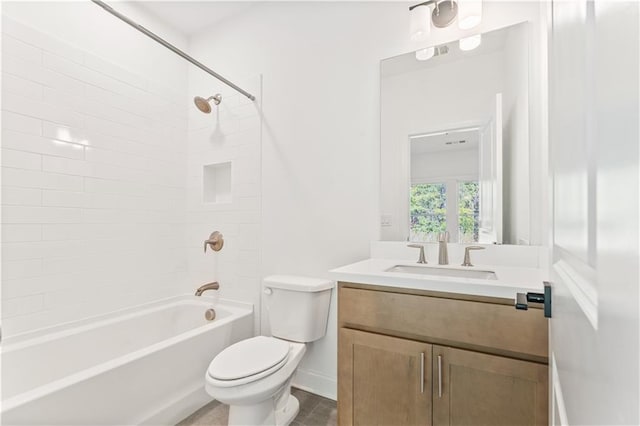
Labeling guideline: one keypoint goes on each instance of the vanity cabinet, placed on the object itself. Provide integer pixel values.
(412, 357)
(388, 379)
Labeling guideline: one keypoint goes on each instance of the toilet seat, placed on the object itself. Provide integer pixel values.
(248, 361)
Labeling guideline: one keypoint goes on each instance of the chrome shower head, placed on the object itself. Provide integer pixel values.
(204, 104)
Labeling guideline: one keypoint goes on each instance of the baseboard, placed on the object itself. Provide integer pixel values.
(319, 384)
(180, 408)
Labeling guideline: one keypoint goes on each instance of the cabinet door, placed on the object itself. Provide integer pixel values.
(471, 388)
(383, 380)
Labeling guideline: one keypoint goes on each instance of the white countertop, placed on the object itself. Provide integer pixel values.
(510, 280)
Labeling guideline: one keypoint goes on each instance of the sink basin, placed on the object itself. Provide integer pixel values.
(443, 272)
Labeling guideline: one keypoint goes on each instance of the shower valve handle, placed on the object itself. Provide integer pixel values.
(215, 241)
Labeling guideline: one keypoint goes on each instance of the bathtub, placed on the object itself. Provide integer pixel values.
(141, 365)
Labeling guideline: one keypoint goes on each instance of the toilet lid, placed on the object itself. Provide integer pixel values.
(248, 358)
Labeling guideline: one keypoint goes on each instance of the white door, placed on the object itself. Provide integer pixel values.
(490, 177)
(593, 141)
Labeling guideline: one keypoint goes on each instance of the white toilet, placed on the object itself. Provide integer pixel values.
(254, 376)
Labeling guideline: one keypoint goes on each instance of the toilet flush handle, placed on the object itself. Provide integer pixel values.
(267, 291)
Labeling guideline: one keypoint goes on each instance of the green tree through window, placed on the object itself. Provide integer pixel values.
(468, 211)
(428, 210)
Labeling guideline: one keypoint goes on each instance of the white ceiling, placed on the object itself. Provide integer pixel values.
(191, 17)
(445, 141)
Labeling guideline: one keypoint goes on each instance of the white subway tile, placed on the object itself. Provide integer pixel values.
(66, 166)
(65, 265)
(104, 201)
(90, 76)
(21, 268)
(73, 231)
(40, 145)
(42, 249)
(30, 214)
(21, 159)
(65, 199)
(112, 70)
(109, 128)
(97, 159)
(21, 123)
(36, 74)
(107, 112)
(21, 287)
(64, 133)
(17, 233)
(73, 101)
(25, 70)
(21, 196)
(62, 82)
(36, 179)
(69, 297)
(20, 49)
(21, 86)
(36, 38)
(43, 110)
(98, 94)
(22, 305)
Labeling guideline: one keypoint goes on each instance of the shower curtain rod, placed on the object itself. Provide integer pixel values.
(171, 47)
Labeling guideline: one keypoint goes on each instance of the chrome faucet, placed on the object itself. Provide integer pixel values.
(205, 287)
(421, 258)
(467, 259)
(443, 253)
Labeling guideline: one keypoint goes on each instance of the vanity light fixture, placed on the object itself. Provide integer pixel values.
(430, 52)
(470, 43)
(425, 54)
(468, 12)
(419, 22)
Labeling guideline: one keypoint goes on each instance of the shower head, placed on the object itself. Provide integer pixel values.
(204, 104)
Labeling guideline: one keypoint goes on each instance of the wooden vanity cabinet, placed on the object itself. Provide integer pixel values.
(410, 357)
(386, 380)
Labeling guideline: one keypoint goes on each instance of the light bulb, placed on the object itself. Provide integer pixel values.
(470, 43)
(424, 54)
(420, 23)
(469, 13)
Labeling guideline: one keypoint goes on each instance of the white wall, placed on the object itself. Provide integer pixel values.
(93, 160)
(442, 165)
(516, 162)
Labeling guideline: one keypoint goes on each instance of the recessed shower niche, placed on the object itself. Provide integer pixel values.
(216, 183)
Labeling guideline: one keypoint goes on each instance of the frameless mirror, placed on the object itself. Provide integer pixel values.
(455, 141)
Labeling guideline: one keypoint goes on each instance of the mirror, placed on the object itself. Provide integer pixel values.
(455, 141)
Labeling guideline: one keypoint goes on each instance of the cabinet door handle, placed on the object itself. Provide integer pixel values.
(439, 376)
(421, 372)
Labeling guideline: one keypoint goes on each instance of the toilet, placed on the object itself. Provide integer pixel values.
(254, 375)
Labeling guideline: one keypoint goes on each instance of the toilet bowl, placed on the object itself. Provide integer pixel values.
(254, 376)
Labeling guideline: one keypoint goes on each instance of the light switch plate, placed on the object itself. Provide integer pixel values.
(385, 220)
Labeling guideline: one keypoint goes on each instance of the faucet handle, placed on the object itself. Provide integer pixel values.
(467, 258)
(421, 257)
(215, 241)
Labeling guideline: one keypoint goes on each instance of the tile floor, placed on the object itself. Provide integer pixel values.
(314, 411)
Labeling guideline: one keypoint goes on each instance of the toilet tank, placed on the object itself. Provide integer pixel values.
(298, 307)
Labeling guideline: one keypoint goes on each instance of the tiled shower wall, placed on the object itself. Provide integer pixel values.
(93, 183)
(229, 135)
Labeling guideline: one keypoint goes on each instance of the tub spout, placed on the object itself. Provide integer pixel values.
(205, 287)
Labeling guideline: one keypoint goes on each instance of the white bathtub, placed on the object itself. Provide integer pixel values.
(143, 365)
